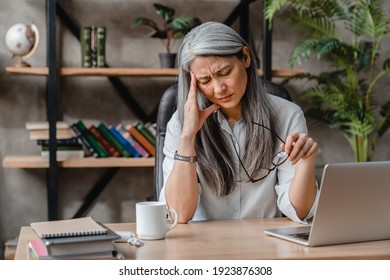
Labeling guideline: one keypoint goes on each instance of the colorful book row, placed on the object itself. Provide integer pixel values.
(131, 140)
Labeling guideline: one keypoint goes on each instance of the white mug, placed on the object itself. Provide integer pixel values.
(151, 219)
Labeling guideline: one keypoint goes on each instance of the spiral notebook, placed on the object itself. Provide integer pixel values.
(70, 227)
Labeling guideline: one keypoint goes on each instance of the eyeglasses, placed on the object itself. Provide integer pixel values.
(278, 159)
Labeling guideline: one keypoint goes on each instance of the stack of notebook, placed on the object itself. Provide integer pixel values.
(80, 238)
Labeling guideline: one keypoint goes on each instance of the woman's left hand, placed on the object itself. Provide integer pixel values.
(300, 146)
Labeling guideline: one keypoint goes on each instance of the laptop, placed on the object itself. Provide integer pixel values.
(353, 206)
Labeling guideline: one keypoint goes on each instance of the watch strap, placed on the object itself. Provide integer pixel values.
(185, 158)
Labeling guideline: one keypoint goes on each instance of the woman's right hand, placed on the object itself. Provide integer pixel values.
(194, 118)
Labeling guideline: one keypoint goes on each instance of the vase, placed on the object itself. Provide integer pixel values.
(167, 60)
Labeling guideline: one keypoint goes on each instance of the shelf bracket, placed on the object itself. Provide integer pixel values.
(241, 11)
(95, 191)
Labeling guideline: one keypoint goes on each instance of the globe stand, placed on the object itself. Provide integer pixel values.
(19, 63)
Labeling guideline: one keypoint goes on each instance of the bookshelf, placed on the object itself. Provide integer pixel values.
(30, 161)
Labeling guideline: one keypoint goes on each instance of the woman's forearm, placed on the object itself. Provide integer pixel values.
(303, 188)
(181, 190)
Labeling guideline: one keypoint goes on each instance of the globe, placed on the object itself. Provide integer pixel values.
(22, 40)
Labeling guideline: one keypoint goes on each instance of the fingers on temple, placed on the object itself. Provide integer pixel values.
(192, 92)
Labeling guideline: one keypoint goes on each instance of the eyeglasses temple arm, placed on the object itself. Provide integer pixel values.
(263, 126)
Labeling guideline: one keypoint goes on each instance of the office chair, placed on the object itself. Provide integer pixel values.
(165, 111)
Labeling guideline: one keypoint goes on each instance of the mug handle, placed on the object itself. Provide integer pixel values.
(176, 218)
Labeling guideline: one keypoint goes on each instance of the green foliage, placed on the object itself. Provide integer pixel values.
(342, 98)
(172, 27)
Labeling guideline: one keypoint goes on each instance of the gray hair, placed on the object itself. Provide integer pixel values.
(215, 158)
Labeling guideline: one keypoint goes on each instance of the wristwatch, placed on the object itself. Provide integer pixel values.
(184, 158)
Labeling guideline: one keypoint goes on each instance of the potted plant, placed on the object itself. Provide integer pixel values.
(172, 28)
(344, 96)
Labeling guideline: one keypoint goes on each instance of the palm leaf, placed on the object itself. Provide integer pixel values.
(327, 46)
(312, 21)
(337, 53)
(322, 116)
(271, 7)
(386, 65)
(302, 51)
(376, 24)
(364, 55)
(356, 19)
(322, 78)
(385, 124)
(325, 97)
(338, 9)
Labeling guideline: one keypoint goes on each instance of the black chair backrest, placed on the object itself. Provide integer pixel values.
(167, 107)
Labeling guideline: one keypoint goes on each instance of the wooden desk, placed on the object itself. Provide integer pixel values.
(233, 239)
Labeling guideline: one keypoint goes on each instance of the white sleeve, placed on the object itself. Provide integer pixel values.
(293, 122)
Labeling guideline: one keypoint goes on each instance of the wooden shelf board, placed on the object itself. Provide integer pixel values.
(129, 72)
(36, 161)
(33, 71)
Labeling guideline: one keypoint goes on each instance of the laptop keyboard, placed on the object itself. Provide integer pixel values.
(303, 235)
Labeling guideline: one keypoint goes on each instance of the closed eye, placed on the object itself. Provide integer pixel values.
(204, 82)
(224, 72)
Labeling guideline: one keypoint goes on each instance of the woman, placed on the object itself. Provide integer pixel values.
(231, 150)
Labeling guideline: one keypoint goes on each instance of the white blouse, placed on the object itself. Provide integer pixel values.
(266, 198)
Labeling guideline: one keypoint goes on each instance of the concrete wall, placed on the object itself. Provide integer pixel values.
(22, 98)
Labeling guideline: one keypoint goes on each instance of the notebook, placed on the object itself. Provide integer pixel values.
(70, 227)
(353, 206)
(93, 246)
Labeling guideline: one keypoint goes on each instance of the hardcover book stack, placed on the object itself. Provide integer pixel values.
(101, 140)
(93, 46)
(68, 145)
(78, 140)
(81, 238)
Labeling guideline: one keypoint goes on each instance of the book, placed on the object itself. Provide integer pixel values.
(43, 134)
(85, 40)
(152, 128)
(146, 133)
(10, 248)
(98, 148)
(141, 139)
(69, 227)
(141, 150)
(64, 147)
(38, 251)
(70, 141)
(108, 135)
(65, 154)
(94, 42)
(105, 143)
(44, 125)
(88, 149)
(123, 141)
(101, 46)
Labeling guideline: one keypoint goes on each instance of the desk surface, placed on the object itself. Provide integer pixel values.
(232, 239)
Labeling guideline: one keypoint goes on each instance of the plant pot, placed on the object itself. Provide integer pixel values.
(167, 60)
